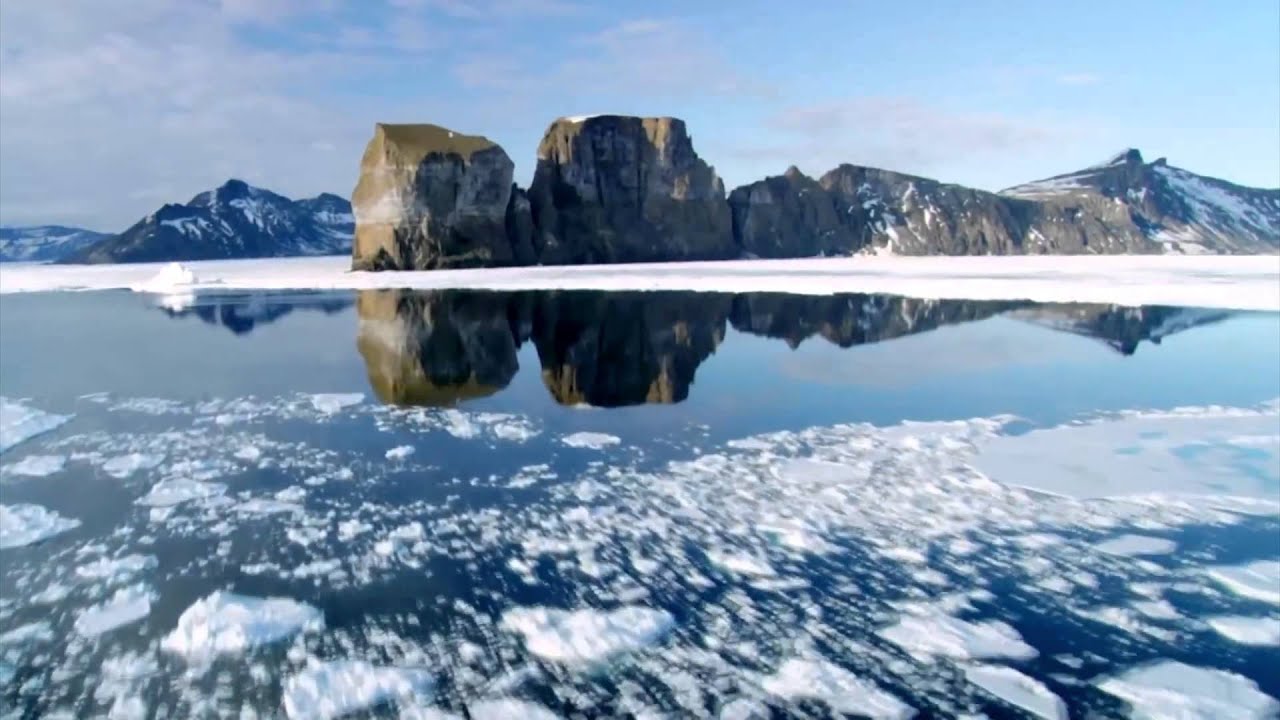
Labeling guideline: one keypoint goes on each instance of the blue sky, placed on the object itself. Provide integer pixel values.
(107, 110)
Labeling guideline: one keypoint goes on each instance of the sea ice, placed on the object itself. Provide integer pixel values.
(1258, 580)
(587, 635)
(227, 624)
(740, 563)
(123, 466)
(590, 440)
(36, 465)
(128, 605)
(24, 524)
(1018, 690)
(172, 277)
(19, 422)
(844, 692)
(1262, 631)
(116, 568)
(173, 492)
(330, 403)
(1172, 690)
(509, 709)
(1137, 545)
(399, 453)
(937, 635)
(341, 687)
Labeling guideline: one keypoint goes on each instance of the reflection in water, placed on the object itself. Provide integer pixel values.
(241, 312)
(619, 349)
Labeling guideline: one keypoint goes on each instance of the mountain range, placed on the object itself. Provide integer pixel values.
(1123, 205)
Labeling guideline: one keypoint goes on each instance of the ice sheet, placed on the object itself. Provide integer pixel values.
(1243, 282)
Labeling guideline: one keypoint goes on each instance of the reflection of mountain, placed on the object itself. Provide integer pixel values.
(848, 320)
(1123, 328)
(617, 349)
(438, 348)
(241, 313)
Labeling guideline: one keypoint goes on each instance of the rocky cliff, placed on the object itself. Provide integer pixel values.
(611, 189)
(432, 198)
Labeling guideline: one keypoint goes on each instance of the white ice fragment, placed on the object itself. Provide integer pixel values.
(1259, 631)
(330, 403)
(844, 692)
(341, 687)
(228, 624)
(173, 276)
(509, 709)
(1257, 580)
(1137, 545)
(128, 605)
(123, 466)
(1018, 690)
(23, 524)
(115, 569)
(167, 493)
(1174, 691)
(587, 635)
(399, 453)
(249, 453)
(741, 563)
(590, 440)
(19, 422)
(937, 635)
(37, 465)
(459, 425)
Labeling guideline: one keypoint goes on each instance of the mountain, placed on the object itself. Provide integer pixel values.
(1122, 328)
(44, 243)
(235, 220)
(1175, 208)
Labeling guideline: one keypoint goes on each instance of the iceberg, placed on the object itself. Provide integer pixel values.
(229, 624)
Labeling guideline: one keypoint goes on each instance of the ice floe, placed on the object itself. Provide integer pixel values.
(341, 687)
(173, 492)
(128, 605)
(1018, 690)
(1175, 691)
(173, 277)
(590, 440)
(331, 403)
(399, 453)
(113, 569)
(24, 524)
(20, 422)
(1257, 580)
(123, 466)
(937, 635)
(1137, 545)
(509, 709)
(36, 466)
(228, 624)
(587, 635)
(1261, 631)
(844, 692)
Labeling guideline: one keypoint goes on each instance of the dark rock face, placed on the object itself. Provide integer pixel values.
(790, 215)
(611, 189)
(235, 220)
(437, 348)
(430, 198)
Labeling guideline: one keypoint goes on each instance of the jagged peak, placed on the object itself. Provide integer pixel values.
(1128, 156)
(793, 173)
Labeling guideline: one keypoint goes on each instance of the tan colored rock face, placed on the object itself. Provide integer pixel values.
(431, 198)
(626, 189)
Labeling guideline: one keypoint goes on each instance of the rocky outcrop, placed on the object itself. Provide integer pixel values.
(430, 198)
(790, 215)
(611, 189)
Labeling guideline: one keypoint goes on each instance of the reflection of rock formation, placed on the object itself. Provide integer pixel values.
(615, 349)
(437, 348)
(241, 313)
(848, 320)
(1123, 328)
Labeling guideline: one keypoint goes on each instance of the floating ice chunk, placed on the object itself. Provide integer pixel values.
(37, 465)
(1258, 580)
(399, 453)
(587, 636)
(1262, 631)
(1137, 545)
(459, 425)
(167, 493)
(937, 635)
(509, 709)
(590, 440)
(125, 465)
(24, 524)
(248, 453)
(418, 712)
(267, 506)
(129, 605)
(818, 679)
(514, 430)
(1168, 689)
(173, 276)
(115, 569)
(1018, 690)
(19, 422)
(744, 709)
(227, 624)
(340, 687)
(38, 631)
(740, 563)
(331, 403)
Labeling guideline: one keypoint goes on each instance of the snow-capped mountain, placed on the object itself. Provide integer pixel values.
(235, 220)
(1178, 209)
(44, 243)
(1122, 328)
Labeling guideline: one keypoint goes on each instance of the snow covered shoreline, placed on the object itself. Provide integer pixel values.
(1240, 282)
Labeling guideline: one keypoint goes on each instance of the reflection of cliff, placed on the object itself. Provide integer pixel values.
(242, 312)
(1123, 328)
(848, 320)
(625, 348)
(437, 348)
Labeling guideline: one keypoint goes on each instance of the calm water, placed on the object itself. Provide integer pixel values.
(634, 505)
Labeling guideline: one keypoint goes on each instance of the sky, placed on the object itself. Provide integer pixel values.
(110, 109)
